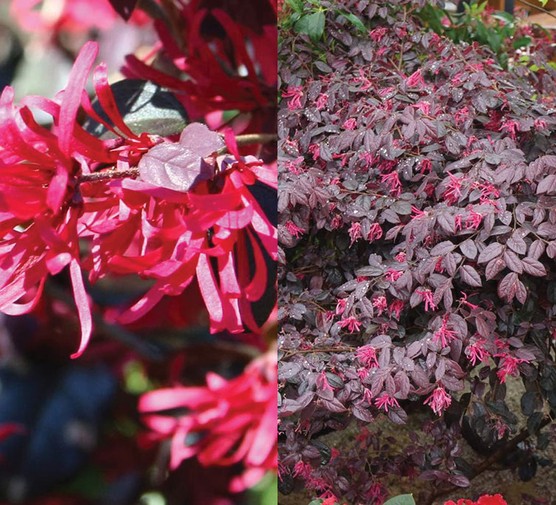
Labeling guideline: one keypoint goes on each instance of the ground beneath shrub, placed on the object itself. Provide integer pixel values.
(541, 490)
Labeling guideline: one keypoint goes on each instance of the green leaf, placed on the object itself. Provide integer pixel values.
(145, 107)
(265, 492)
(494, 40)
(136, 380)
(521, 42)
(296, 5)
(433, 17)
(316, 502)
(152, 498)
(312, 25)
(355, 21)
(504, 16)
(402, 499)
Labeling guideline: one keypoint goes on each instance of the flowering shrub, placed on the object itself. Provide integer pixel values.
(150, 208)
(417, 233)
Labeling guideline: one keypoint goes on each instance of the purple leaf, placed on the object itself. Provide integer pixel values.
(333, 405)
(469, 248)
(507, 287)
(490, 252)
(397, 416)
(459, 480)
(442, 248)
(180, 166)
(362, 413)
(536, 250)
(547, 185)
(494, 267)
(516, 243)
(521, 292)
(470, 276)
(533, 267)
(513, 262)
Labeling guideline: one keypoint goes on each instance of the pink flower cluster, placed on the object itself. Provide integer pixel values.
(223, 423)
(51, 202)
(486, 499)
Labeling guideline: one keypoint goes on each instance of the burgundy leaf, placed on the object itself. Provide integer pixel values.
(180, 166)
(402, 385)
(469, 248)
(547, 230)
(512, 261)
(533, 267)
(459, 480)
(516, 243)
(397, 416)
(447, 222)
(490, 252)
(442, 248)
(536, 250)
(333, 405)
(521, 292)
(288, 369)
(547, 185)
(440, 370)
(507, 287)
(526, 354)
(551, 249)
(362, 413)
(470, 276)
(459, 324)
(483, 327)
(494, 267)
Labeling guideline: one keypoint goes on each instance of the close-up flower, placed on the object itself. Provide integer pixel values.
(138, 252)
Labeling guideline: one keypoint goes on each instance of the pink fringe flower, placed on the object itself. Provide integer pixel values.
(224, 423)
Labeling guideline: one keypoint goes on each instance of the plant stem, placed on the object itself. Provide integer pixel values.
(143, 347)
(106, 175)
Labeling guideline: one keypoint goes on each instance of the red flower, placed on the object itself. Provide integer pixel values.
(175, 237)
(366, 354)
(73, 16)
(496, 499)
(218, 77)
(41, 205)
(211, 231)
(226, 422)
(385, 401)
(439, 400)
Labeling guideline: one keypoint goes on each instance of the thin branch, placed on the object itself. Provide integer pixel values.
(116, 332)
(537, 7)
(289, 353)
(256, 138)
(109, 174)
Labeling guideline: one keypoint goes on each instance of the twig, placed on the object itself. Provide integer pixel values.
(537, 7)
(142, 346)
(288, 354)
(109, 174)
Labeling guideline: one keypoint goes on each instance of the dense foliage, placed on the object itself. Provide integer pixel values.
(417, 241)
(138, 234)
